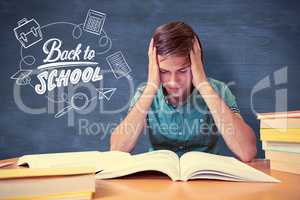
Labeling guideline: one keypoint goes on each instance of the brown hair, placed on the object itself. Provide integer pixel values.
(175, 38)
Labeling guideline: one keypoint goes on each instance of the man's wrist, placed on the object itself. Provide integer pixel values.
(204, 87)
(151, 89)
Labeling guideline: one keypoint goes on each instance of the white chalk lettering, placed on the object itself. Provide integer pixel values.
(52, 48)
(51, 80)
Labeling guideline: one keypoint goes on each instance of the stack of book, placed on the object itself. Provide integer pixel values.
(280, 135)
(47, 183)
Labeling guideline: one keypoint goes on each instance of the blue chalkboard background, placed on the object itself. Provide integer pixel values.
(244, 42)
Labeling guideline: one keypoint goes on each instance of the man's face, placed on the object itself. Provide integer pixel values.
(176, 75)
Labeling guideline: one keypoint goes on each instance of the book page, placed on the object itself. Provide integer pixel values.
(96, 159)
(195, 163)
(162, 160)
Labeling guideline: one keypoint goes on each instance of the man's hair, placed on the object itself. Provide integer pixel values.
(175, 39)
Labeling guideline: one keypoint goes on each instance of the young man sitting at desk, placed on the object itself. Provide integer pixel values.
(183, 108)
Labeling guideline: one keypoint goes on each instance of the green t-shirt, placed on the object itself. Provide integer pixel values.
(188, 127)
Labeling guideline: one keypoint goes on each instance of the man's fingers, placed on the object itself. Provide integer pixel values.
(192, 58)
(150, 52)
(197, 45)
(150, 49)
(195, 53)
(154, 56)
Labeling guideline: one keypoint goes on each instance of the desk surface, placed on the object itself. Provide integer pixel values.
(158, 186)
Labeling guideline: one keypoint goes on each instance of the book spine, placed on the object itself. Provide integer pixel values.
(69, 195)
(284, 147)
(286, 131)
(282, 135)
(280, 123)
(286, 167)
(292, 158)
(288, 114)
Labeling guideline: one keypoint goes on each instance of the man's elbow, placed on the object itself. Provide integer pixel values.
(249, 154)
(250, 151)
(116, 145)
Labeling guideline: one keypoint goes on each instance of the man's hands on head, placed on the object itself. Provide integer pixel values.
(153, 82)
(199, 76)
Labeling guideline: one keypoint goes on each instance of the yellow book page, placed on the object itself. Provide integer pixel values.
(28, 172)
(285, 131)
(275, 135)
(96, 159)
(63, 196)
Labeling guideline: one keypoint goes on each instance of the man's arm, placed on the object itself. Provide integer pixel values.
(239, 137)
(125, 136)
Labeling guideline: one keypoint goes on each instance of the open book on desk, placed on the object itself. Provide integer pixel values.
(191, 165)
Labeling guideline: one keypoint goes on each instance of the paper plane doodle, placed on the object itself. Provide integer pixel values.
(22, 77)
(106, 93)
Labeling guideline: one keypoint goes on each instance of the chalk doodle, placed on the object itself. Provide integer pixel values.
(61, 66)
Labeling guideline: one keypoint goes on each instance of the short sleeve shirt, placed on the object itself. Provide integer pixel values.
(188, 127)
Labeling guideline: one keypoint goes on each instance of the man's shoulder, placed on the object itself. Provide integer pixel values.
(218, 85)
(224, 91)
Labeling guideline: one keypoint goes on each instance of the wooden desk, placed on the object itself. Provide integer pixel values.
(157, 186)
